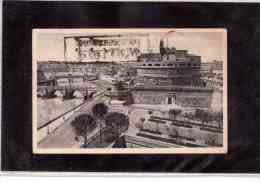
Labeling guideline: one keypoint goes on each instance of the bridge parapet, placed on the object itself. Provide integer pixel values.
(73, 87)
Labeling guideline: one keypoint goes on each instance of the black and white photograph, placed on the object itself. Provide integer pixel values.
(132, 90)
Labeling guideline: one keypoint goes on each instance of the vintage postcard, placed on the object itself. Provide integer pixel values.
(137, 91)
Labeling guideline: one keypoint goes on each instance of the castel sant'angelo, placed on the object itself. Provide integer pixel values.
(171, 77)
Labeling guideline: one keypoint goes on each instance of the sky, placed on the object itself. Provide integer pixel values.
(207, 44)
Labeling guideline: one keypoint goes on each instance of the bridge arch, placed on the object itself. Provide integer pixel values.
(78, 94)
(59, 93)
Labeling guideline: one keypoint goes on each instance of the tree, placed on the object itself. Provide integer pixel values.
(82, 125)
(219, 119)
(119, 85)
(198, 113)
(203, 116)
(173, 133)
(157, 122)
(173, 113)
(211, 140)
(118, 122)
(99, 111)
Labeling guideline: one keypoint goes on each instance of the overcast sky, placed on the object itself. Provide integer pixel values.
(208, 45)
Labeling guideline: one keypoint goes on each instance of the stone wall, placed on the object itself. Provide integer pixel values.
(164, 72)
(195, 82)
(217, 100)
(195, 98)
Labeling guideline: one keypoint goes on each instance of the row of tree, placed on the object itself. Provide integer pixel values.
(114, 122)
(204, 116)
(173, 113)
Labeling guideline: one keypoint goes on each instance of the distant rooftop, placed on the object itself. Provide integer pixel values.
(150, 55)
(75, 62)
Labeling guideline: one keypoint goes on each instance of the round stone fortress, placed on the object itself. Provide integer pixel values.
(169, 63)
(171, 77)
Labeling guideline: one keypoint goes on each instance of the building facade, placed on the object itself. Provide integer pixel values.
(173, 95)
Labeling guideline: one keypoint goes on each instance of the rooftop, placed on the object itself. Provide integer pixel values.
(150, 55)
(171, 88)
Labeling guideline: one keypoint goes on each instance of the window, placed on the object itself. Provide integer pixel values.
(169, 100)
(149, 64)
(169, 64)
(144, 64)
(157, 64)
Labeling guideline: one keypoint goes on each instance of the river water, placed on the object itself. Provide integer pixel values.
(49, 109)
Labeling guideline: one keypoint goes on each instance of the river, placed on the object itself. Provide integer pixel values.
(49, 109)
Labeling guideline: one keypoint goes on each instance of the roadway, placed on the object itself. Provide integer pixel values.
(64, 136)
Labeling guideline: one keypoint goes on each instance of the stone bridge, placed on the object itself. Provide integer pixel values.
(60, 91)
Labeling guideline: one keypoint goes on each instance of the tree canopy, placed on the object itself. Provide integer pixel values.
(100, 110)
(174, 112)
(208, 115)
(120, 85)
(82, 124)
(117, 120)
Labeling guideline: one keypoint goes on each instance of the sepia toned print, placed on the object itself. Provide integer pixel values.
(129, 91)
